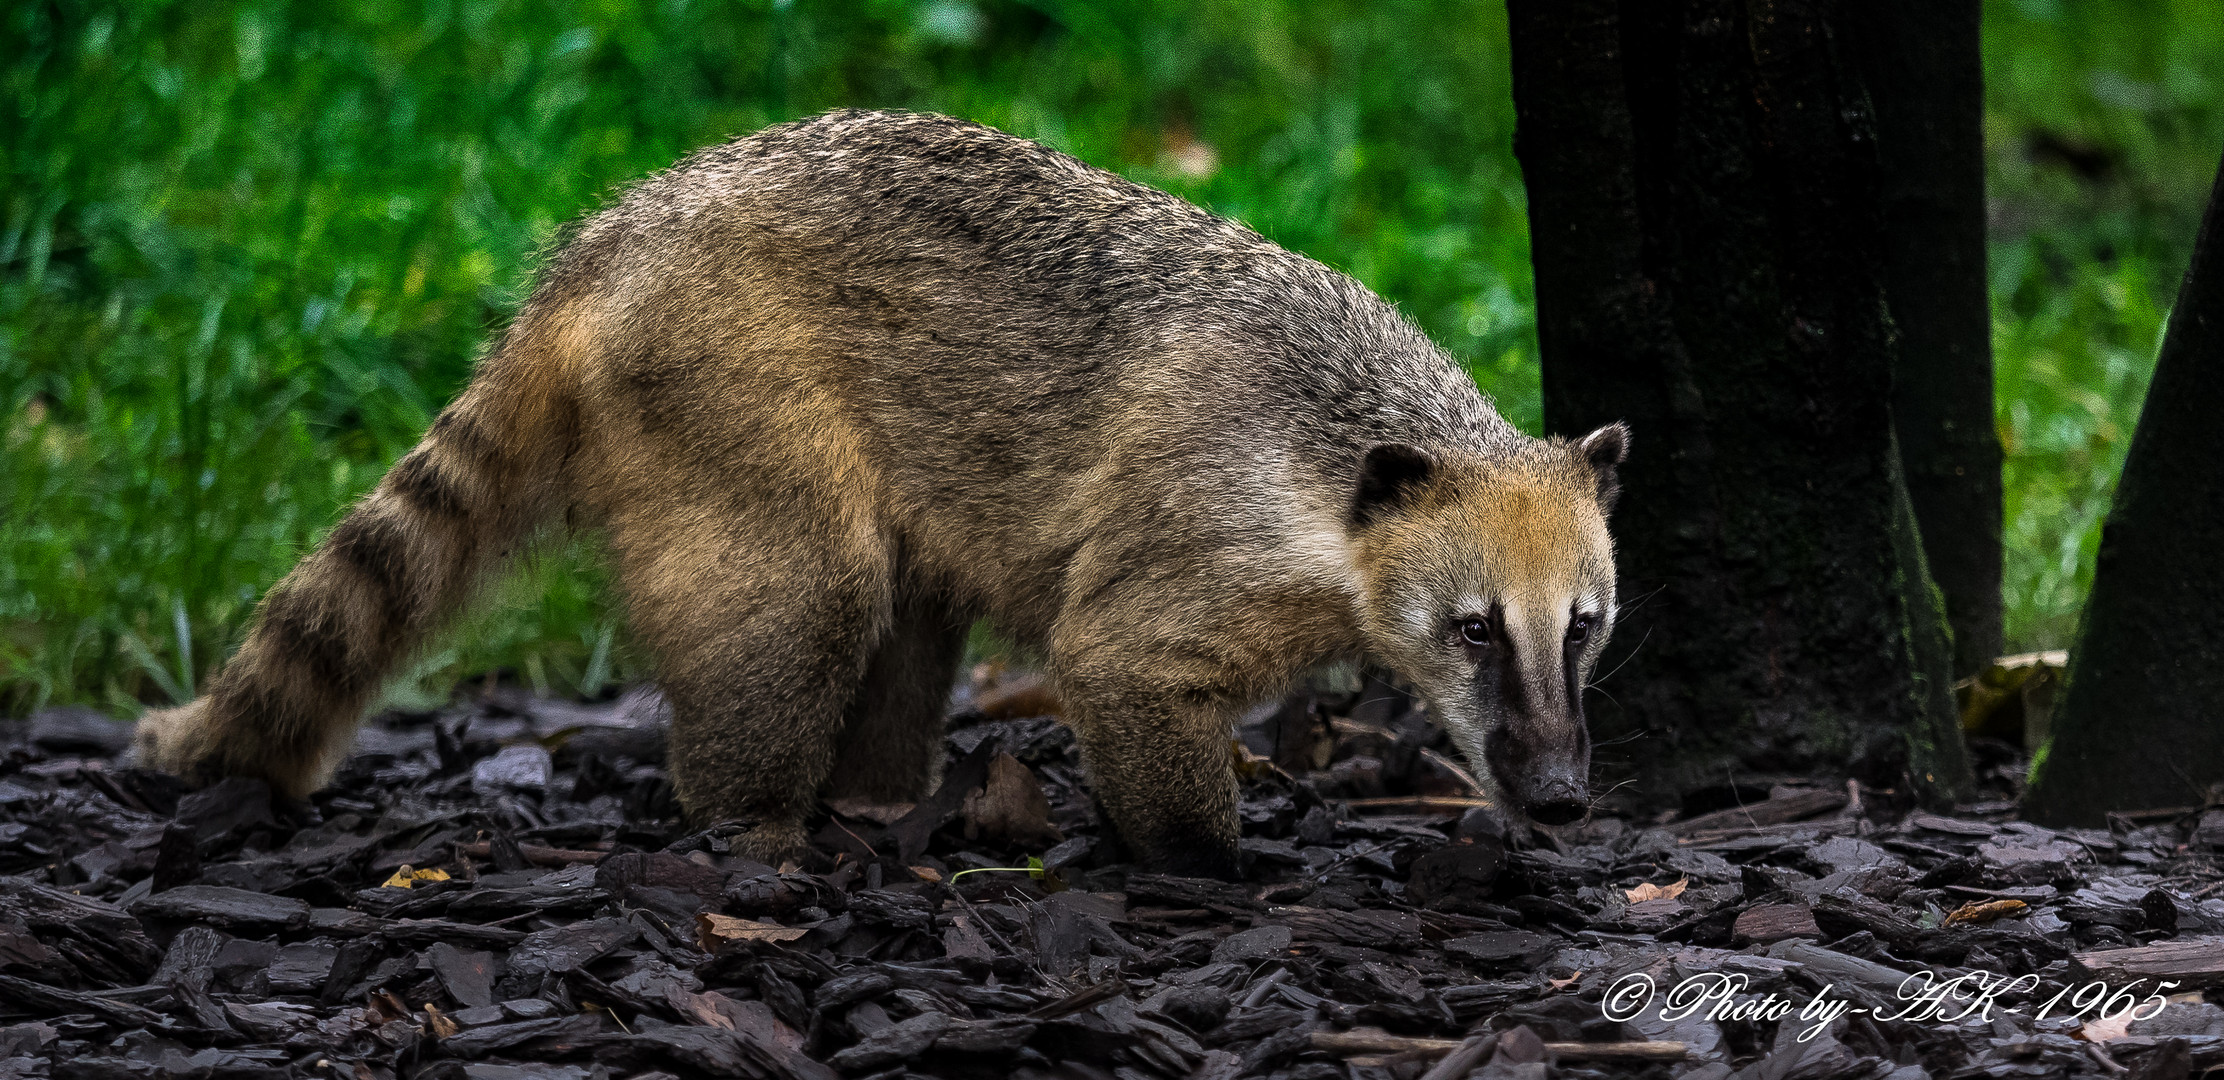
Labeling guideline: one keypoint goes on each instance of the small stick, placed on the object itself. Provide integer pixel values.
(982, 924)
(1260, 989)
(1474, 786)
(1418, 802)
(1348, 857)
(1377, 1041)
(1186, 914)
(2159, 813)
(2101, 1058)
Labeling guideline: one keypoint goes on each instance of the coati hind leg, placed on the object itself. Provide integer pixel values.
(761, 629)
(890, 739)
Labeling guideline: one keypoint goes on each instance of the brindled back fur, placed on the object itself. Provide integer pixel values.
(836, 389)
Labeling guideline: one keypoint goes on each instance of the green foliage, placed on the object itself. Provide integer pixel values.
(248, 247)
(2106, 118)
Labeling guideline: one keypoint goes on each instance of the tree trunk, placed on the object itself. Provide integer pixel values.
(2138, 723)
(1921, 61)
(1705, 224)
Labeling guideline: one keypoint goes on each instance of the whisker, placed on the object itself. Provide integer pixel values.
(1628, 606)
(1599, 800)
(1625, 660)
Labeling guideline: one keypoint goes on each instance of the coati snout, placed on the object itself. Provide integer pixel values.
(1492, 588)
(837, 389)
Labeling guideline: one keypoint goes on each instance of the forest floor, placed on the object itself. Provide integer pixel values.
(504, 890)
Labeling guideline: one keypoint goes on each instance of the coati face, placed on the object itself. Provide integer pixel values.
(1490, 585)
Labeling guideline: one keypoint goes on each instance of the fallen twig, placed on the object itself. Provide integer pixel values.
(1418, 803)
(534, 853)
(1464, 1058)
(1377, 1041)
(1789, 807)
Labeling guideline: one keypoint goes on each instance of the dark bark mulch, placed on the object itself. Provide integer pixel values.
(560, 921)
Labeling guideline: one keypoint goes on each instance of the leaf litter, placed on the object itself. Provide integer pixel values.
(506, 889)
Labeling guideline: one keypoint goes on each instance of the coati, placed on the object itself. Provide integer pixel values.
(838, 388)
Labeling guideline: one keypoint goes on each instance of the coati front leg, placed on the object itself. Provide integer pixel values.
(1155, 744)
(1155, 670)
(1152, 680)
(761, 631)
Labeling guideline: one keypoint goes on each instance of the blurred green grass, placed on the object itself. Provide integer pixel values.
(248, 248)
(2105, 122)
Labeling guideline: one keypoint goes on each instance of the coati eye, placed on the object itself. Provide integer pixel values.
(1579, 630)
(1475, 632)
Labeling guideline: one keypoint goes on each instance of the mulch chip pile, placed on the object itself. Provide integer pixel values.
(506, 889)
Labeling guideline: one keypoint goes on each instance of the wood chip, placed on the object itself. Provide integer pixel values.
(714, 929)
(1975, 912)
(1768, 923)
(2192, 963)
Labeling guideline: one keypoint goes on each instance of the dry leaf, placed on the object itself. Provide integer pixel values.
(385, 1007)
(442, 1027)
(1248, 766)
(925, 873)
(1974, 912)
(1011, 806)
(2107, 1027)
(1650, 891)
(881, 814)
(409, 875)
(712, 929)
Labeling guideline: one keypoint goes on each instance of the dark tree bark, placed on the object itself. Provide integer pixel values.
(1705, 223)
(2138, 724)
(1921, 62)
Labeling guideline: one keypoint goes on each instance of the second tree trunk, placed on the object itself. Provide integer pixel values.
(1921, 61)
(1706, 225)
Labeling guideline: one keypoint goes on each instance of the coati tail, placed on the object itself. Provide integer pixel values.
(454, 508)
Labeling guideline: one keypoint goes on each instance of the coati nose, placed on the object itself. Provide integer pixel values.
(1557, 801)
(1558, 813)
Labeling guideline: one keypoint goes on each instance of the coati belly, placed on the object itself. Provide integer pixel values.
(837, 389)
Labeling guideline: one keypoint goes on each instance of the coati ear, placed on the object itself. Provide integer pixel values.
(1389, 476)
(1604, 450)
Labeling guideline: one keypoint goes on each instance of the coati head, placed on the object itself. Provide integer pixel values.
(1489, 582)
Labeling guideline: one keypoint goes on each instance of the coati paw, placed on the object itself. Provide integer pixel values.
(771, 843)
(1200, 862)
